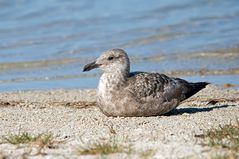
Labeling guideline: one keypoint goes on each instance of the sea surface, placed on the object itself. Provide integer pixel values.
(44, 44)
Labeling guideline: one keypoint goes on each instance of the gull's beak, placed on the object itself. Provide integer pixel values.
(90, 66)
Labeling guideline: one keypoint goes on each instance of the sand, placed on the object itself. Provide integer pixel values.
(75, 122)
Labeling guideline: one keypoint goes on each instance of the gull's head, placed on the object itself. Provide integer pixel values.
(113, 60)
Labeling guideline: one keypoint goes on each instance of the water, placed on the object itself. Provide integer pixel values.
(45, 44)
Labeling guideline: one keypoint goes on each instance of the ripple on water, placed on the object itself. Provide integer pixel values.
(44, 44)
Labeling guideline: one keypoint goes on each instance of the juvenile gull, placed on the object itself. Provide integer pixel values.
(125, 93)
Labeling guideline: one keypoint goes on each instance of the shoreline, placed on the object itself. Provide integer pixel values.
(72, 117)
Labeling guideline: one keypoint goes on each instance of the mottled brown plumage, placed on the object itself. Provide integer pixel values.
(121, 93)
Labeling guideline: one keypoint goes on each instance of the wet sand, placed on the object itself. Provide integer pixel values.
(73, 118)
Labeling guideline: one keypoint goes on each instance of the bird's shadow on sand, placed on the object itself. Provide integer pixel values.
(180, 111)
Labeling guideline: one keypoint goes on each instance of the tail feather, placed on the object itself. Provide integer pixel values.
(194, 88)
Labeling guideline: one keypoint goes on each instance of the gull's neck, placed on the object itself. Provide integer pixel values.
(113, 80)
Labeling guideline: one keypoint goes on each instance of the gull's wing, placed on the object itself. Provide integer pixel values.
(144, 85)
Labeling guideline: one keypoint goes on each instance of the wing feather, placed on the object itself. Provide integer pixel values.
(143, 85)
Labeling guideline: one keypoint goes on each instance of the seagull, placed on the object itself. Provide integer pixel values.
(122, 93)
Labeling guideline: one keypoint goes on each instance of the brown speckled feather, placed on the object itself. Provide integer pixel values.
(158, 87)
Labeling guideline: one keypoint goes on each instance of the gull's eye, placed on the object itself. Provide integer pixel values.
(110, 58)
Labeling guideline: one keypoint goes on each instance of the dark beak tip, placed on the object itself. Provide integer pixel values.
(90, 66)
(84, 70)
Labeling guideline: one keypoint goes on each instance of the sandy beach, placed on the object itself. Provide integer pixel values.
(75, 122)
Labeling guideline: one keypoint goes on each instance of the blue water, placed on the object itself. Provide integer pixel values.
(45, 44)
